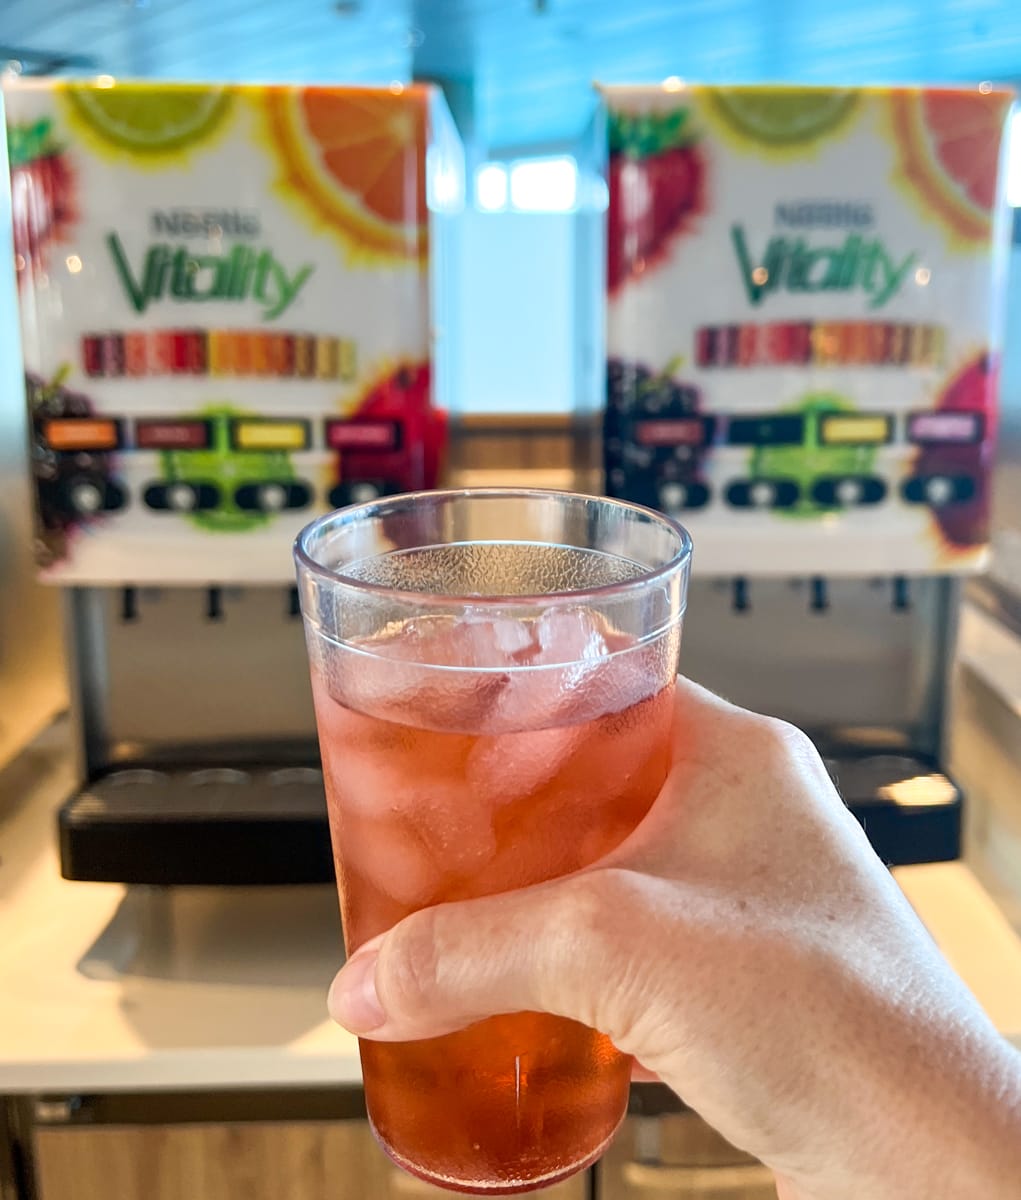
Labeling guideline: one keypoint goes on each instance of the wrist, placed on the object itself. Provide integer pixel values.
(963, 1141)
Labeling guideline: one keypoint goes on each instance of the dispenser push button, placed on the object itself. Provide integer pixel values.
(273, 495)
(181, 497)
(763, 493)
(90, 494)
(939, 490)
(86, 496)
(848, 491)
(358, 491)
(675, 496)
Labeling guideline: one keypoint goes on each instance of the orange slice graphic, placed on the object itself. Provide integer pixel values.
(355, 161)
(948, 144)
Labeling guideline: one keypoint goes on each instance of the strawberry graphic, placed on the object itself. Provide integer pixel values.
(406, 388)
(966, 522)
(657, 189)
(403, 396)
(43, 203)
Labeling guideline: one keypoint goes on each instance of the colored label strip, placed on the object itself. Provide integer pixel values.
(224, 353)
(826, 343)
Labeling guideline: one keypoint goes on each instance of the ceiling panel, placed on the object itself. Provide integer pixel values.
(526, 66)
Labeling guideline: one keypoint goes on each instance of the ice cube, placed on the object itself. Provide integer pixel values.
(427, 697)
(475, 639)
(494, 641)
(569, 635)
(570, 651)
(390, 856)
(457, 833)
(424, 673)
(512, 766)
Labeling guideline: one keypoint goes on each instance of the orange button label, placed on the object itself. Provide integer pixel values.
(81, 433)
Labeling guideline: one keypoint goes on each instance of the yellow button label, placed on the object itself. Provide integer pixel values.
(270, 435)
(861, 430)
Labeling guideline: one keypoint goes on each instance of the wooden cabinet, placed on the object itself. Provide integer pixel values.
(257, 1160)
(317, 1146)
(678, 1157)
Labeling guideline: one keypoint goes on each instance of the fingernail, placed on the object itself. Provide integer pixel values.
(352, 1001)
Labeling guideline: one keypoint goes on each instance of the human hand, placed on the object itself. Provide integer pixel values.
(747, 946)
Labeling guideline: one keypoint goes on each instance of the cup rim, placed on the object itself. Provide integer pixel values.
(678, 563)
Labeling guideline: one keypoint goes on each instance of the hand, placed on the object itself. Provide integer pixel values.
(747, 946)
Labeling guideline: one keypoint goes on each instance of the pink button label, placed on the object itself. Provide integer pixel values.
(933, 427)
(676, 432)
(362, 435)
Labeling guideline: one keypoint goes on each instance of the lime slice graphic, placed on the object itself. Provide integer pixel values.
(147, 119)
(228, 468)
(782, 117)
(807, 463)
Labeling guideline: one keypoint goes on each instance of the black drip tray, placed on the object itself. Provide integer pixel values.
(223, 825)
(909, 808)
(199, 826)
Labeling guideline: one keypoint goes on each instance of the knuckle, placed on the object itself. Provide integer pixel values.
(783, 744)
(408, 972)
(593, 922)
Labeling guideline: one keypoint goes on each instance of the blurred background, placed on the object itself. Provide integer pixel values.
(517, 76)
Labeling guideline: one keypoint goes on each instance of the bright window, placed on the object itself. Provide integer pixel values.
(1014, 162)
(548, 184)
(491, 187)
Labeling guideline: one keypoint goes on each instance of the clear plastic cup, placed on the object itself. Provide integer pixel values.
(493, 674)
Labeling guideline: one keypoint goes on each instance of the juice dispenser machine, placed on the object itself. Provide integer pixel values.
(803, 298)
(225, 298)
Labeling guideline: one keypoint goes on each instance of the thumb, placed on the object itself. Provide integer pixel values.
(571, 947)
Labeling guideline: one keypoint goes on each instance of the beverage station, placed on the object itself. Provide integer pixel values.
(229, 300)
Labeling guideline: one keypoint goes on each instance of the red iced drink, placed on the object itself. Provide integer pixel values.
(492, 672)
(448, 782)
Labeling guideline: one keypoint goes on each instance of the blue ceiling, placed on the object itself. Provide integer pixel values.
(518, 72)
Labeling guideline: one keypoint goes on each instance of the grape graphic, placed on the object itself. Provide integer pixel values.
(635, 471)
(56, 517)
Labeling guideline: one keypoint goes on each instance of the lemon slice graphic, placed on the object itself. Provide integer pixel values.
(150, 120)
(784, 120)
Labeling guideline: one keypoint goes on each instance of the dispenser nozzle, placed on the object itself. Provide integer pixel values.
(129, 604)
(214, 604)
(901, 594)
